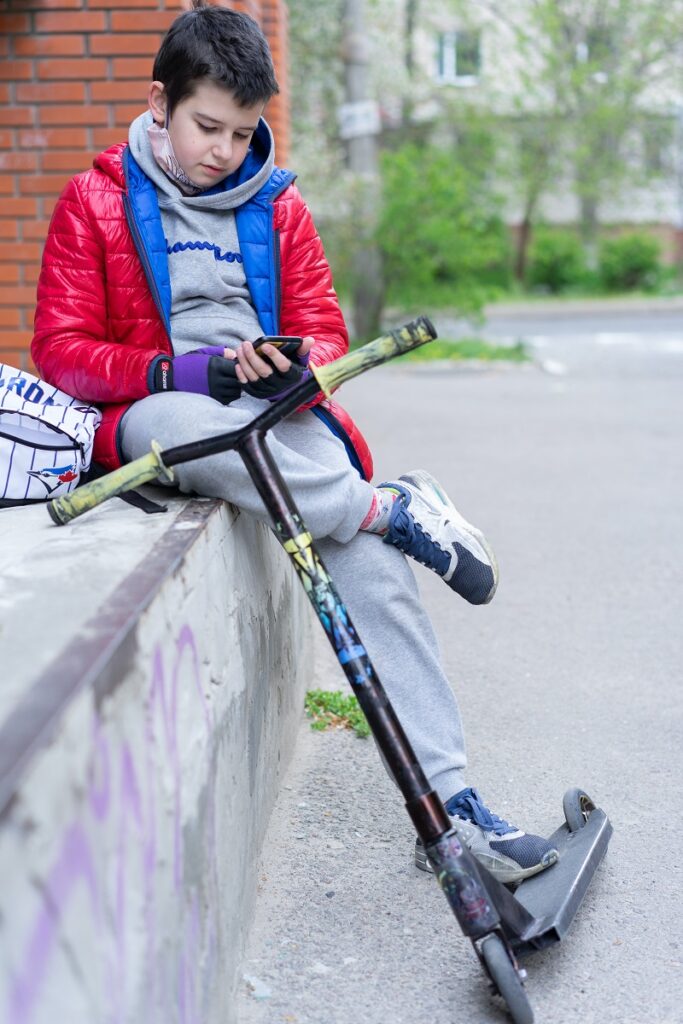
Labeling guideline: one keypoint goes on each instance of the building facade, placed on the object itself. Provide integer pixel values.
(442, 61)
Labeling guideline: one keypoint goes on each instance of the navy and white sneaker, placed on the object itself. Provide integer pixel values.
(425, 524)
(509, 854)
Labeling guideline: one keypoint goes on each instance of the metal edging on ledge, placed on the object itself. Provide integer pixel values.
(84, 660)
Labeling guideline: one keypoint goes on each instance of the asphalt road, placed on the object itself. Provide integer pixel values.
(571, 677)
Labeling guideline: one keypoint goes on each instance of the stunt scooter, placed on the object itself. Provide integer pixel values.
(502, 926)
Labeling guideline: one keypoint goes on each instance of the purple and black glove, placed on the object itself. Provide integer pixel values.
(205, 371)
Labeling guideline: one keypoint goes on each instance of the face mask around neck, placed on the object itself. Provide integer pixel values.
(162, 149)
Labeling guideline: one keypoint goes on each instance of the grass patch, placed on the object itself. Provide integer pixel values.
(332, 709)
(467, 348)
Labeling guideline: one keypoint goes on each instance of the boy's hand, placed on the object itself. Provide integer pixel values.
(251, 365)
(272, 377)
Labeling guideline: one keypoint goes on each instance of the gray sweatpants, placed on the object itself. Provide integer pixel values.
(373, 578)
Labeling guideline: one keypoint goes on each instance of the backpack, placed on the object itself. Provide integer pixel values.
(46, 439)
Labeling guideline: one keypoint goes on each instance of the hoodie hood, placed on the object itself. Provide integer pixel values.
(228, 194)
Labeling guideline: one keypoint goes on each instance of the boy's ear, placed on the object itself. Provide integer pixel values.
(156, 99)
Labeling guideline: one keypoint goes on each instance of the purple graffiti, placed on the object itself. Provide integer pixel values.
(125, 814)
(74, 864)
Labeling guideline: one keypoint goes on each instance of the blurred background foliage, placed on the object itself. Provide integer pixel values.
(454, 162)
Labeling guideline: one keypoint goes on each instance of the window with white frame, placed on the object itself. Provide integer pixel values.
(458, 57)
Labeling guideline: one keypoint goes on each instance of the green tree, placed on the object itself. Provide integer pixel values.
(587, 76)
(440, 224)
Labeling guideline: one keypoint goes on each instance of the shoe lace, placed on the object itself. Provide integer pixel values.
(470, 806)
(409, 536)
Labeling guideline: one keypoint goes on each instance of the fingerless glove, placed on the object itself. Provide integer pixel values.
(277, 384)
(205, 371)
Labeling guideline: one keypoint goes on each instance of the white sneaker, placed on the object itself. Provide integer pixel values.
(426, 525)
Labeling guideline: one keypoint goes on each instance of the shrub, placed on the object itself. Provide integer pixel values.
(440, 225)
(630, 262)
(556, 260)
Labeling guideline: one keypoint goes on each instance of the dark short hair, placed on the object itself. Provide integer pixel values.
(219, 45)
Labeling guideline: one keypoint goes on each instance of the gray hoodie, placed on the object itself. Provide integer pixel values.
(211, 304)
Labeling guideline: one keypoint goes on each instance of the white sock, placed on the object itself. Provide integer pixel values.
(379, 513)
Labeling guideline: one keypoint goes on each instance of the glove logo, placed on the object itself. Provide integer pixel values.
(163, 376)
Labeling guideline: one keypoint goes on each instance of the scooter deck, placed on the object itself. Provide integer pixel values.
(553, 897)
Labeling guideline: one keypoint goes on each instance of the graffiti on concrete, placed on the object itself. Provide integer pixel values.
(120, 878)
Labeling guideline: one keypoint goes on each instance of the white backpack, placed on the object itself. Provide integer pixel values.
(46, 439)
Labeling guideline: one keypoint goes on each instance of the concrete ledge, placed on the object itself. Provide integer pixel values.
(153, 671)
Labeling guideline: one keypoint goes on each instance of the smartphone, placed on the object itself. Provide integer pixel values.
(286, 344)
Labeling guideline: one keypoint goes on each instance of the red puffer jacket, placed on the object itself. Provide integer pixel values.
(98, 328)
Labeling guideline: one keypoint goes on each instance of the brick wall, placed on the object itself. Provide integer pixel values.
(73, 75)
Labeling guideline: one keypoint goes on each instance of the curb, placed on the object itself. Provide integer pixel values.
(543, 307)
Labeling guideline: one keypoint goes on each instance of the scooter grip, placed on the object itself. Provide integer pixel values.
(381, 350)
(134, 474)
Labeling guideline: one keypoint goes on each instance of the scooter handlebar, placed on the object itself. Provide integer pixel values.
(133, 474)
(152, 466)
(381, 350)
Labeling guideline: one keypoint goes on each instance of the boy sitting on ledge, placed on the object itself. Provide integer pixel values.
(187, 234)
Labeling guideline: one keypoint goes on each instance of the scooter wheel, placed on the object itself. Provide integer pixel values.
(506, 979)
(577, 807)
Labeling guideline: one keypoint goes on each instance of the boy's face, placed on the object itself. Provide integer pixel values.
(210, 133)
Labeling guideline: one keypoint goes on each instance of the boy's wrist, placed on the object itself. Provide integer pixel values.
(160, 374)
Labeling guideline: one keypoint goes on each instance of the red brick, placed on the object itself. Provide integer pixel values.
(67, 160)
(8, 184)
(135, 4)
(31, 271)
(35, 229)
(17, 297)
(9, 229)
(64, 138)
(19, 252)
(44, 184)
(15, 340)
(12, 23)
(252, 9)
(16, 70)
(18, 161)
(103, 138)
(10, 316)
(134, 89)
(132, 67)
(71, 115)
(19, 207)
(149, 21)
(66, 21)
(9, 273)
(17, 116)
(76, 69)
(4, 93)
(6, 138)
(123, 115)
(59, 4)
(48, 46)
(22, 360)
(4, 46)
(110, 44)
(55, 92)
